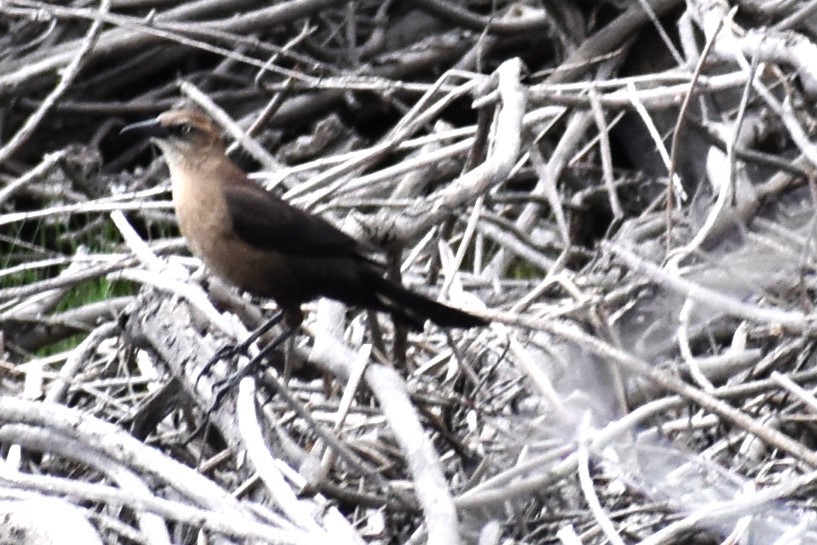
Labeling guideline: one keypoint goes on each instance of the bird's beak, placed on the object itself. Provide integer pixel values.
(151, 128)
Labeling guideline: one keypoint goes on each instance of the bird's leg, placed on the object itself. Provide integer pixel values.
(221, 387)
(292, 318)
(400, 347)
(289, 346)
(252, 366)
(234, 349)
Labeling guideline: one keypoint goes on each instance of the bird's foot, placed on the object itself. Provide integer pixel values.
(233, 350)
(221, 387)
(224, 385)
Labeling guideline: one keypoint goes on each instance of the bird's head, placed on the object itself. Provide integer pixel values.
(182, 135)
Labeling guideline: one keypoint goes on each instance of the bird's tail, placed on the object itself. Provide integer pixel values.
(415, 309)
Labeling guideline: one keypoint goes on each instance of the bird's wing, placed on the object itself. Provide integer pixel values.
(266, 222)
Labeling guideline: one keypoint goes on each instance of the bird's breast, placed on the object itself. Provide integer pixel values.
(205, 223)
(201, 217)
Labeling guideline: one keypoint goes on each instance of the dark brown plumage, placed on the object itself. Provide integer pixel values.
(256, 241)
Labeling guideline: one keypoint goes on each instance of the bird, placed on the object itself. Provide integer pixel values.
(256, 241)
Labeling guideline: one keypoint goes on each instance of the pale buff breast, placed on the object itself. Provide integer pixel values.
(200, 211)
(204, 222)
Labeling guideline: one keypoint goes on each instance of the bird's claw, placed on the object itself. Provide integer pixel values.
(233, 350)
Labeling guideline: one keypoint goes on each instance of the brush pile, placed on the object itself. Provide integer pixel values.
(625, 189)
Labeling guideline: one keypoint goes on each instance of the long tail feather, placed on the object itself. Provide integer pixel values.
(416, 309)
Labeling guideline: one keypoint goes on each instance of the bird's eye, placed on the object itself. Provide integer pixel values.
(182, 129)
